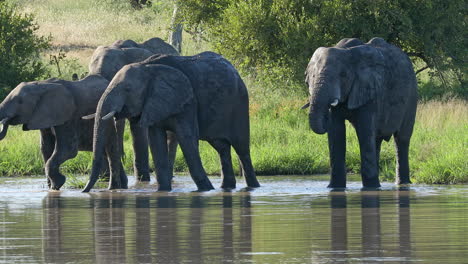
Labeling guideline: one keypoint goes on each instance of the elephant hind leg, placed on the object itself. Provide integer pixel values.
(189, 146)
(402, 162)
(66, 147)
(243, 152)
(227, 172)
(172, 144)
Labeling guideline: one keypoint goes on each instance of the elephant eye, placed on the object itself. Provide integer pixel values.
(343, 74)
(20, 100)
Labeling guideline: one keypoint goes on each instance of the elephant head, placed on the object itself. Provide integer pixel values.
(108, 60)
(36, 105)
(341, 77)
(150, 93)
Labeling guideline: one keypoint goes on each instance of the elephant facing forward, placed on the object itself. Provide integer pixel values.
(107, 61)
(55, 107)
(373, 85)
(196, 97)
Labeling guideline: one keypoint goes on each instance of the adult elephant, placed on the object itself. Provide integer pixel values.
(373, 85)
(196, 97)
(107, 61)
(55, 107)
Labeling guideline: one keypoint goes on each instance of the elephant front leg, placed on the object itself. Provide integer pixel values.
(158, 144)
(365, 130)
(47, 148)
(337, 149)
(118, 178)
(140, 150)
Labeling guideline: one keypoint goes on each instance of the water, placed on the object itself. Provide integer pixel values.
(288, 220)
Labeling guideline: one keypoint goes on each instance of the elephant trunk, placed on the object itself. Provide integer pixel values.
(99, 145)
(102, 127)
(3, 124)
(318, 111)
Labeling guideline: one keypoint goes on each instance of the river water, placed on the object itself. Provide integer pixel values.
(287, 220)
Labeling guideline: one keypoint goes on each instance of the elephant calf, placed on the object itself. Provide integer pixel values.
(55, 107)
(373, 85)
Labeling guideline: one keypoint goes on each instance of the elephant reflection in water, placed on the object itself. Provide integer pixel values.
(52, 228)
(109, 228)
(163, 231)
(371, 231)
(339, 228)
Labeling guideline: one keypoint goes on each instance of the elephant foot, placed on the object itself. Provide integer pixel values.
(164, 188)
(371, 183)
(252, 182)
(57, 182)
(204, 185)
(144, 178)
(337, 185)
(402, 181)
(118, 186)
(228, 184)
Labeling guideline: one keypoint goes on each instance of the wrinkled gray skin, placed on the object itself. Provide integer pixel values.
(107, 61)
(196, 97)
(373, 85)
(55, 107)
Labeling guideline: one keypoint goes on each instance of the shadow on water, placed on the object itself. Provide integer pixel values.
(286, 221)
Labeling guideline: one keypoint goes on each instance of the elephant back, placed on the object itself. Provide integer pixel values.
(159, 46)
(219, 90)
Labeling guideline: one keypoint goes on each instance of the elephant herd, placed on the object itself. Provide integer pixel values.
(172, 100)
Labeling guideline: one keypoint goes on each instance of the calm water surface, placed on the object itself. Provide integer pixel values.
(288, 220)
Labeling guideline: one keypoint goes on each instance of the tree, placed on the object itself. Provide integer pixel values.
(20, 49)
(175, 36)
(281, 35)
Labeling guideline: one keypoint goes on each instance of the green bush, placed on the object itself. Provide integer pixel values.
(20, 49)
(282, 34)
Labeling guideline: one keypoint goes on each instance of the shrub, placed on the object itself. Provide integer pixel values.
(261, 35)
(20, 49)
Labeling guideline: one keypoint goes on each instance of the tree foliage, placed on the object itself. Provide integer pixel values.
(19, 49)
(281, 35)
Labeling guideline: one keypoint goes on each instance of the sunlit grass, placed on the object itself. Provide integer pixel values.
(282, 143)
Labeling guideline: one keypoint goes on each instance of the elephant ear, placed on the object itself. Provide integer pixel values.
(368, 80)
(54, 107)
(168, 91)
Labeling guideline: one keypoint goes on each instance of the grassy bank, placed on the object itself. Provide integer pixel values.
(281, 140)
(283, 144)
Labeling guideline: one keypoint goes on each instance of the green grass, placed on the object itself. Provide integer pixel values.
(281, 141)
(283, 144)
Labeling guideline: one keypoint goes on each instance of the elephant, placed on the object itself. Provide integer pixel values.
(55, 107)
(199, 97)
(107, 61)
(373, 86)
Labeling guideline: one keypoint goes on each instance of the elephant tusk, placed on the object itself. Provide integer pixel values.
(306, 105)
(4, 120)
(334, 103)
(91, 116)
(109, 115)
